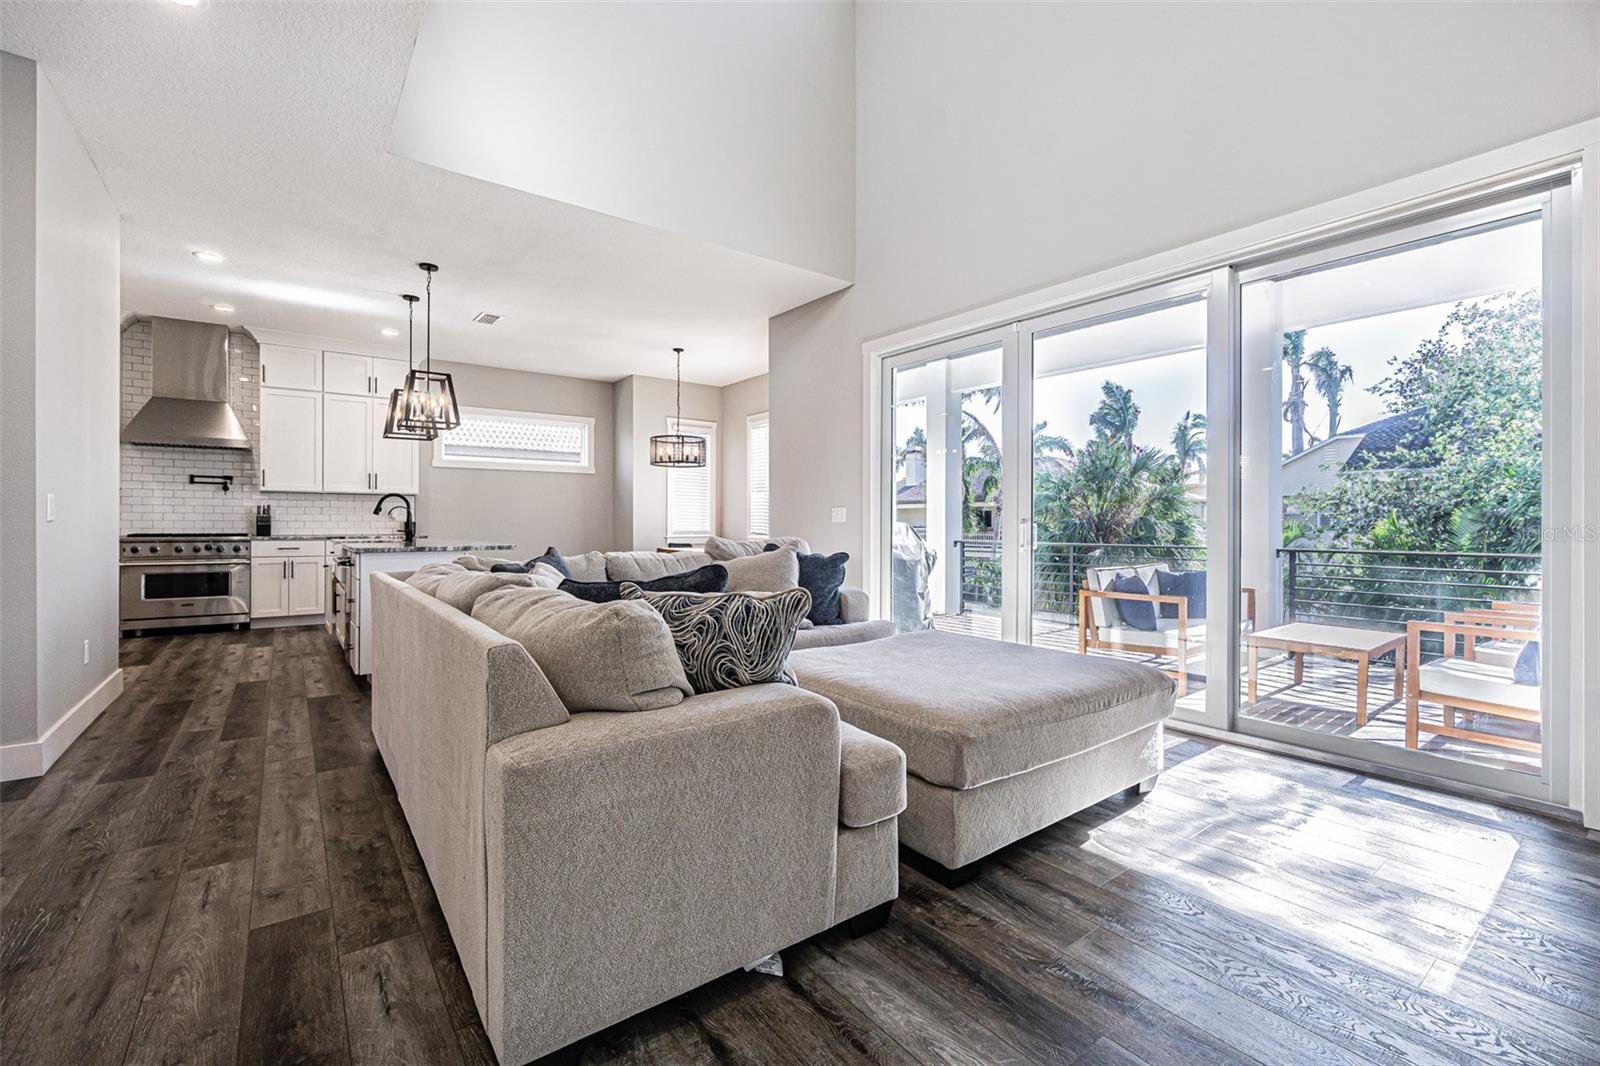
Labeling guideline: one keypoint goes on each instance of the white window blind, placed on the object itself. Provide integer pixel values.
(692, 490)
(756, 451)
(517, 440)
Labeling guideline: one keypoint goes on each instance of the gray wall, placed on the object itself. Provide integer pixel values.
(1004, 147)
(739, 401)
(643, 406)
(531, 510)
(65, 426)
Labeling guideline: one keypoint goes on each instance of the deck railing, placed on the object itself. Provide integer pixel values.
(1337, 586)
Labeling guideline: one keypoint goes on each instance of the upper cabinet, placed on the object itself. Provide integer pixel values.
(361, 375)
(291, 440)
(283, 367)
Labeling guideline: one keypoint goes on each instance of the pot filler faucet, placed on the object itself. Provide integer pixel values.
(411, 526)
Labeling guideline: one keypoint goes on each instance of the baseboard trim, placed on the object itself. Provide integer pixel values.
(33, 758)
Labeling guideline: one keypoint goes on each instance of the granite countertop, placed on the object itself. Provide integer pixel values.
(425, 546)
(330, 536)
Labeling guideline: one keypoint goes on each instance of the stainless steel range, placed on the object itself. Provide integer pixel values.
(184, 579)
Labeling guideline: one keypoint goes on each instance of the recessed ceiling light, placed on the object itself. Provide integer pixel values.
(226, 309)
(209, 257)
(389, 331)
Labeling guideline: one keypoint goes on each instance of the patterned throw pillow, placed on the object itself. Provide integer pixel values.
(729, 639)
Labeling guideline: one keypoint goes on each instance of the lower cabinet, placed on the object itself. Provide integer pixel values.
(288, 579)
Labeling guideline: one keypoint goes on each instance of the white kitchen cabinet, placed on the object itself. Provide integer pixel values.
(305, 586)
(284, 367)
(291, 440)
(361, 375)
(347, 443)
(269, 588)
(394, 462)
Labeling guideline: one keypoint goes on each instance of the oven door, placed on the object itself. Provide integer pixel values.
(152, 593)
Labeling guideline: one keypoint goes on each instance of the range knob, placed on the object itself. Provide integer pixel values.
(134, 550)
(178, 548)
(238, 550)
(209, 547)
(155, 549)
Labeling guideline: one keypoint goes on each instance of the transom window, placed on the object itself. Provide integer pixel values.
(517, 440)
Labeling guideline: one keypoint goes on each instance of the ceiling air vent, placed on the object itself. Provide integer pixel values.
(484, 318)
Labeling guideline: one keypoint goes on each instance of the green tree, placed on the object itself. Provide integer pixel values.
(1189, 443)
(1109, 495)
(1117, 416)
(1330, 376)
(1294, 408)
(916, 440)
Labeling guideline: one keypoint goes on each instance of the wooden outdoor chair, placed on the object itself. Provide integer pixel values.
(1464, 683)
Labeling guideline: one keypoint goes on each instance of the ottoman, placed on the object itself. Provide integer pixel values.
(1000, 739)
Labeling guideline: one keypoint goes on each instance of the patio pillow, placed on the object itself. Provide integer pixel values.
(1526, 669)
(710, 578)
(1135, 614)
(1190, 584)
(730, 639)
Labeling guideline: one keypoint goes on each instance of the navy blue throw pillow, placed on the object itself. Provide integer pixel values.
(1191, 585)
(1138, 614)
(553, 558)
(712, 578)
(509, 568)
(1526, 670)
(823, 577)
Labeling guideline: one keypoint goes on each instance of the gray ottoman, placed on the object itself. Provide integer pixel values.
(1001, 740)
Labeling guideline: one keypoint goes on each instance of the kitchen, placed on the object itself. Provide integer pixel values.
(258, 487)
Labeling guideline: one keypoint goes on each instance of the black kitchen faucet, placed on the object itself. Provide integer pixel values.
(411, 526)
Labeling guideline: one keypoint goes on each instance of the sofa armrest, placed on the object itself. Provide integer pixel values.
(872, 778)
(855, 605)
(633, 856)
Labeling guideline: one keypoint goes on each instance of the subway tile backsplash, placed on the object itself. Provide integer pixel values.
(157, 496)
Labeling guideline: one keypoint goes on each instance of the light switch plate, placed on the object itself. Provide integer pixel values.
(838, 514)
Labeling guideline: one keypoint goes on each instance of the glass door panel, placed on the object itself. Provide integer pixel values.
(1118, 557)
(945, 543)
(1391, 499)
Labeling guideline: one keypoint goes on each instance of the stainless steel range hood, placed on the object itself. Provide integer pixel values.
(188, 405)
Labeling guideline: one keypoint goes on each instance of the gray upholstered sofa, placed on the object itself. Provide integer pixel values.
(591, 865)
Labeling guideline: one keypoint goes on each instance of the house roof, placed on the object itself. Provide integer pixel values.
(1386, 442)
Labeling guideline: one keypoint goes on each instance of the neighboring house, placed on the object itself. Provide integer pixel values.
(1379, 445)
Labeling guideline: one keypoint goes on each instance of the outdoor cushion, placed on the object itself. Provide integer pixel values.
(1475, 681)
(597, 656)
(967, 711)
(648, 566)
(872, 778)
(1190, 584)
(1526, 669)
(1137, 614)
(1100, 578)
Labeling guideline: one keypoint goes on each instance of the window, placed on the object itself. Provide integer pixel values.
(692, 491)
(756, 459)
(517, 440)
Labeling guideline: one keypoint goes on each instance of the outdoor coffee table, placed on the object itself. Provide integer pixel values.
(1359, 646)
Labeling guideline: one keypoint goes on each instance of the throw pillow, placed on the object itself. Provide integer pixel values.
(1190, 584)
(552, 557)
(461, 591)
(712, 578)
(590, 566)
(777, 571)
(427, 577)
(722, 549)
(648, 566)
(731, 639)
(1136, 614)
(1525, 671)
(597, 656)
(545, 576)
(823, 577)
(509, 568)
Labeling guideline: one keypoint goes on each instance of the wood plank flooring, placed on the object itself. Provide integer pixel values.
(218, 871)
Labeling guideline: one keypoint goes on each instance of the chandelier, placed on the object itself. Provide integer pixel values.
(428, 403)
(397, 402)
(678, 449)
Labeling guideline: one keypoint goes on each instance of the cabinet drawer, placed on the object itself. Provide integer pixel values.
(288, 549)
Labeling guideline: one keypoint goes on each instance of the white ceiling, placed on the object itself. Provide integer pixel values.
(260, 131)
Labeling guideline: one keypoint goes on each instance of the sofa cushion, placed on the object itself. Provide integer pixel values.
(709, 578)
(872, 778)
(823, 577)
(843, 633)
(777, 571)
(722, 549)
(597, 657)
(648, 566)
(426, 578)
(732, 639)
(461, 591)
(968, 711)
(590, 566)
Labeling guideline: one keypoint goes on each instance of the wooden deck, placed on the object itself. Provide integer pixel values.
(218, 871)
(1325, 703)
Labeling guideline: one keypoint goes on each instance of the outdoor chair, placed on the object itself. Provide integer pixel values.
(1101, 626)
(1485, 648)
(1460, 682)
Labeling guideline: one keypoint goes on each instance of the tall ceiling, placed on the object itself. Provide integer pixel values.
(261, 131)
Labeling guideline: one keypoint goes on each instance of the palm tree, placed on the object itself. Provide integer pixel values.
(1331, 376)
(1044, 444)
(917, 440)
(1117, 416)
(1294, 408)
(981, 464)
(1189, 442)
(1108, 495)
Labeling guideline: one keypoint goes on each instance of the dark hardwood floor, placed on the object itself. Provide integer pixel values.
(219, 871)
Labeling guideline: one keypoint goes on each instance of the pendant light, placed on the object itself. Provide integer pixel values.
(429, 403)
(678, 449)
(391, 424)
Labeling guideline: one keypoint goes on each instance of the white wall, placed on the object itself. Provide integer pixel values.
(739, 401)
(1004, 147)
(75, 295)
(535, 509)
(643, 406)
(727, 122)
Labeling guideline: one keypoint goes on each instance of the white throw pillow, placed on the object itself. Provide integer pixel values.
(775, 571)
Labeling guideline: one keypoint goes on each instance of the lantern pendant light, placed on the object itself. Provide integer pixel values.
(429, 403)
(391, 424)
(678, 449)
